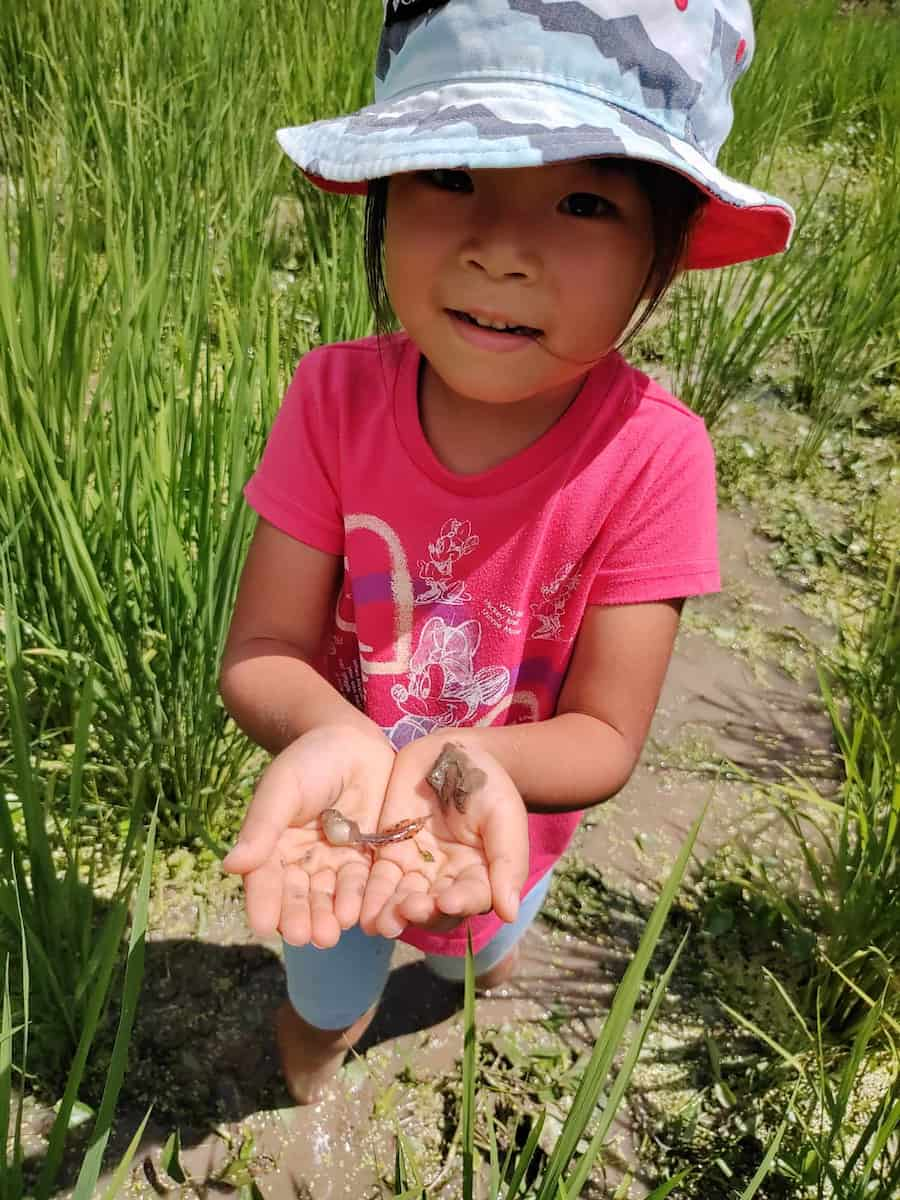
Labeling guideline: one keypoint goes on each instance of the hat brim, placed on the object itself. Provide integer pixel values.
(525, 123)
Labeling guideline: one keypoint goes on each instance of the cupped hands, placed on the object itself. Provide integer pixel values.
(296, 882)
(472, 854)
(469, 852)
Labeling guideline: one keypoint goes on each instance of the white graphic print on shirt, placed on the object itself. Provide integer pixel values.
(453, 542)
(443, 688)
(550, 611)
(438, 684)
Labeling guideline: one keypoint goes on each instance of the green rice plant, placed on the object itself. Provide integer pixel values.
(848, 328)
(179, 70)
(853, 91)
(847, 917)
(832, 1152)
(826, 297)
(121, 485)
(334, 237)
(720, 327)
(832, 298)
(566, 1170)
(865, 673)
(60, 951)
(768, 108)
(143, 352)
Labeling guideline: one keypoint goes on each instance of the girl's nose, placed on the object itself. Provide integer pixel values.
(501, 249)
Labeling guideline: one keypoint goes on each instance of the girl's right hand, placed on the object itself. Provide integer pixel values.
(295, 882)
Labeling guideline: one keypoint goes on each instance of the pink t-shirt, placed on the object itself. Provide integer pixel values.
(463, 594)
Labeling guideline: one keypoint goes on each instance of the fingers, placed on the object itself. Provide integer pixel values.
(505, 838)
(348, 896)
(295, 920)
(307, 908)
(439, 906)
(325, 928)
(270, 812)
(421, 908)
(382, 884)
(392, 895)
(262, 895)
(285, 899)
(391, 921)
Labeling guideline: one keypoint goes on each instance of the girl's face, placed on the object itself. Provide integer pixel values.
(562, 253)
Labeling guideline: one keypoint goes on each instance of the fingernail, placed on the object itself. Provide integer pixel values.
(512, 901)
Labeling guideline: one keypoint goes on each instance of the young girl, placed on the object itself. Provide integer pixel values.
(476, 534)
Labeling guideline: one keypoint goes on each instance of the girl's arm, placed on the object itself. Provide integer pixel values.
(327, 753)
(587, 752)
(284, 606)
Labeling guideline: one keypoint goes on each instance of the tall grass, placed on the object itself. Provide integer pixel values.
(144, 351)
(832, 301)
(832, 1153)
(144, 345)
(564, 1172)
(124, 512)
(848, 326)
(59, 943)
(851, 849)
(832, 298)
(826, 69)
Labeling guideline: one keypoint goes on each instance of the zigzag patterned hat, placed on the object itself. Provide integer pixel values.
(522, 83)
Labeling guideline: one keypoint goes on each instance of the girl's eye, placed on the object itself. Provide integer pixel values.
(448, 181)
(586, 204)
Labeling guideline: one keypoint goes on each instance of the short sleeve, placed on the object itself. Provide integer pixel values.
(295, 486)
(660, 539)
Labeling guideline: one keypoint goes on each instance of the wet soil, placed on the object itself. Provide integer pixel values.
(203, 1052)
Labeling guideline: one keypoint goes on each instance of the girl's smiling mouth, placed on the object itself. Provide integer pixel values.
(491, 333)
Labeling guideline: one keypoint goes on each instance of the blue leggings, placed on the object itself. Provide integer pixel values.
(332, 988)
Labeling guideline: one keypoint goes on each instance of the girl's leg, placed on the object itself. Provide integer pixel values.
(496, 961)
(332, 997)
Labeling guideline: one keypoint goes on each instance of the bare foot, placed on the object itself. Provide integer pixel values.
(500, 972)
(310, 1057)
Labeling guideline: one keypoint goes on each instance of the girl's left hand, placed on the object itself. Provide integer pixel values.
(460, 863)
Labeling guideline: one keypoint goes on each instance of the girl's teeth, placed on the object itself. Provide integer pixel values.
(498, 325)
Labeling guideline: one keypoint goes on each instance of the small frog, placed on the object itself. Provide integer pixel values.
(342, 831)
(454, 778)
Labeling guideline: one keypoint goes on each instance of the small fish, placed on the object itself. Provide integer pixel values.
(342, 831)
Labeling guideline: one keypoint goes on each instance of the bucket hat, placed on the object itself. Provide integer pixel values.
(471, 84)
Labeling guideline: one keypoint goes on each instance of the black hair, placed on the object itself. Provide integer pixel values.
(373, 252)
(675, 203)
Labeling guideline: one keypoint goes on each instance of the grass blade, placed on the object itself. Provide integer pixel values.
(766, 1165)
(134, 970)
(470, 1053)
(10, 1171)
(579, 1176)
(118, 1177)
(523, 1162)
(615, 1025)
(664, 1189)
